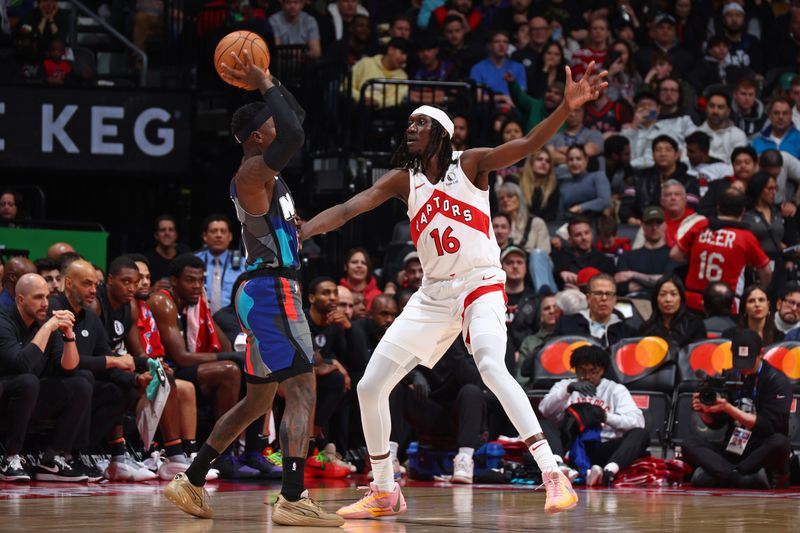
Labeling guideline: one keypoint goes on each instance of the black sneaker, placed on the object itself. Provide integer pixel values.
(11, 469)
(58, 470)
(92, 473)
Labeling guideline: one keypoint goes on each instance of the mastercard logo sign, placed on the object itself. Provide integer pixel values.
(636, 357)
(713, 358)
(786, 359)
(555, 358)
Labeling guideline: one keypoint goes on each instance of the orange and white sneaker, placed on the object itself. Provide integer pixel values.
(375, 503)
(560, 495)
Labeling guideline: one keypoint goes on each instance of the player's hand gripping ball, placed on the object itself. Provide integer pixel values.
(246, 47)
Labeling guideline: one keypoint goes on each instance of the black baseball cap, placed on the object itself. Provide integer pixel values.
(746, 347)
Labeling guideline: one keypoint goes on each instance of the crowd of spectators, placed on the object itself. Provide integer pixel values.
(677, 187)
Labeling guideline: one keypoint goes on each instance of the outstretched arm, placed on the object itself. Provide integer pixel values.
(482, 160)
(393, 184)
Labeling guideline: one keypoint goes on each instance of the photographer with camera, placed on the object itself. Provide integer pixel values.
(755, 452)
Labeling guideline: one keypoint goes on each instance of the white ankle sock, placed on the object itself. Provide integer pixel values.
(393, 448)
(466, 451)
(613, 468)
(383, 473)
(543, 456)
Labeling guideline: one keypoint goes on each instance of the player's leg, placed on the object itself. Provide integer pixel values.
(422, 333)
(484, 321)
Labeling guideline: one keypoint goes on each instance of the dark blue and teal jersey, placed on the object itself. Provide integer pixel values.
(270, 240)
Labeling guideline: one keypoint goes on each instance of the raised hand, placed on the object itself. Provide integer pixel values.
(245, 72)
(578, 93)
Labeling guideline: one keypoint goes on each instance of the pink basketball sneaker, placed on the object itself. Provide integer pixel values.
(375, 503)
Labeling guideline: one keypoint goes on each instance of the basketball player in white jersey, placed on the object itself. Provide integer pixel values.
(463, 286)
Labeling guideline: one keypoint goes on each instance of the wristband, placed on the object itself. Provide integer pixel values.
(67, 339)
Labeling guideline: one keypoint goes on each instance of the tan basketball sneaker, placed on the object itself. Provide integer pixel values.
(188, 498)
(560, 495)
(303, 512)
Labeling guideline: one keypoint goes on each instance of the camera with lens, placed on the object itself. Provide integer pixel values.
(716, 387)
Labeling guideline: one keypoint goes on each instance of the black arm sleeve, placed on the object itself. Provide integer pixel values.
(289, 132)
(291, 100)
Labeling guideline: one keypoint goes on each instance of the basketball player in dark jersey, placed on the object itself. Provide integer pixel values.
(268, 304)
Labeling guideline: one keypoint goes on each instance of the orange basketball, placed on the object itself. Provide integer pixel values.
(237, 42)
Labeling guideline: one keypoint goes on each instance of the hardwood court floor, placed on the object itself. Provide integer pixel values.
(433, 507)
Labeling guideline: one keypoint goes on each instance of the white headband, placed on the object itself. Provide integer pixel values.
(438, 115)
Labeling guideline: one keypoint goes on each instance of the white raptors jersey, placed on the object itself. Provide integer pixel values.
(451, 224)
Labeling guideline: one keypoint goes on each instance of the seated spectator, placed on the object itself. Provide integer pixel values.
(37, 359)
(574, 133)
(761, 409)
(460, 138)
(724, 135)
(670, 319)
(719, 249)
(534, 110)
(57, 70)
(601, 320)
(348, 50)
(568, 262)
(223, 265)
(291, 25)
(339, 17)
(332, 355)
(780, 133)
(676, 103)
(447, 401)
(491, 71)
(358, 275)
(595, 49)
(51, 273)
(755, 314)
(785, 169)
(718, 301)
(745, 48)
(764, 220)
(744, 162)
(607, 116)
(510, 130)
(531, 54)
(167, 248)
(382, 66)
(617, 154)
(27, 66)
(713, 68)
(702, 165)
(747, 111)
(597, 412)
(501, 225)
(638, 270)
(623, 80)
(587, 193)
(431, 66)
(645, 190)
(664, 41)
(787, 318)
(147, 20)
(410, 277)
(463, 9)
(514, 262)
(645, 128)
(539, 185)
(9, 206)
(529, 232)
(15, 268)
(571, 301)
(549, 313)
(48, 22)
(199, 356)
(462, 54)
(676, 212)
(550, 72)
(608, 241)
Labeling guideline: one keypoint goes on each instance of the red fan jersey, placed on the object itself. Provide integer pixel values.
(718, 251)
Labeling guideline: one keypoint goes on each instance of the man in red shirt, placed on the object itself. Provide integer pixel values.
(676, 210)
(719, 249)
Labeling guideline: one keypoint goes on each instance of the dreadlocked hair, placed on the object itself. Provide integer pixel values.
(439, 147)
